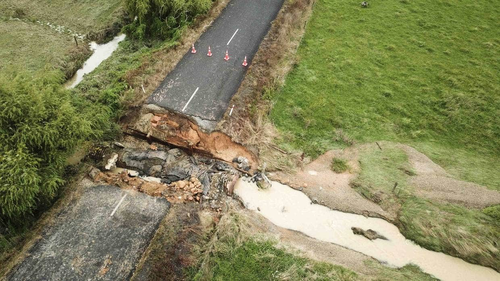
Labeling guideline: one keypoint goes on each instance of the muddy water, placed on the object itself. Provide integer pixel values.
(100, 53)
(292, 209)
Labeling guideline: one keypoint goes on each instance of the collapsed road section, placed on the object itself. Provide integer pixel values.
(99, 237)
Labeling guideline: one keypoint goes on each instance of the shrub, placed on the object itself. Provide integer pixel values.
(39, 126)
(159, 19)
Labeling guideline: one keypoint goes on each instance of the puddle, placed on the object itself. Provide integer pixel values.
(100, 53)
(292, 209)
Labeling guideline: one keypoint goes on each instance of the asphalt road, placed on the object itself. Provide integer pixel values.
(87, 243)
(202, 86)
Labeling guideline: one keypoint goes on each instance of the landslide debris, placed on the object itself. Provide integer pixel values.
(171, 173)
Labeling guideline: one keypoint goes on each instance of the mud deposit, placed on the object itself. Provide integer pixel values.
(293, 210)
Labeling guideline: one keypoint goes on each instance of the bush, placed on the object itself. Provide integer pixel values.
(159, 19)
(39, 126)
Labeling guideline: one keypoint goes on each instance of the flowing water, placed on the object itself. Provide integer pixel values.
(292, 209)
(100, 53)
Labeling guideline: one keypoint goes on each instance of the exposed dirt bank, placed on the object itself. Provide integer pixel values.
(319, 182)
(179, 131)
(433, 182)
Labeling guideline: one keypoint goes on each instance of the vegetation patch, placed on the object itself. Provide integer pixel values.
(421, 72)
(339, 165)
(453, 229)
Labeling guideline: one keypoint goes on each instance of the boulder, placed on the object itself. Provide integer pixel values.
(132, 173)
(178, 170)
(143, 160)
(111, 163)
(370, 233)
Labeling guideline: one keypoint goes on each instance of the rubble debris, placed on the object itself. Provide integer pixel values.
(370, 233)
(261, 180)
(242, 163)
(118, 144)
(133, 173)
(111, 164)
(142, 160)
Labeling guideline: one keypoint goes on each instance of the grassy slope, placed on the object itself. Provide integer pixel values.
(80, 16)
(450, 228)
(26, 45)
(30, 46)
(421, 72)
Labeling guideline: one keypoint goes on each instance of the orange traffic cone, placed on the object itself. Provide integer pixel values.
(226, 58)
(209, 52)
(193, 50)
(245, 61)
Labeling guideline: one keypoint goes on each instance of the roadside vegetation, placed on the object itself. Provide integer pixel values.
(41, 122)
(339, 165)
(470, 234)
(423, 72)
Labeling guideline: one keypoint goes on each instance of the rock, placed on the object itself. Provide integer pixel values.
(155, 170)
(369, 234)
(152, 179)
(205, 182)
(144, 123)
(364, 4)
(118, 144)
(242, 163)
(111, 164)
(133, 173)
(181, 184)
(314, 200)
(94, 172)
(176, 152)
(178, 170)
(261, 181)
(221, 166)
(143, 160)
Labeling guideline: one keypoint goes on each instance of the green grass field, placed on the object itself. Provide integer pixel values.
(25, 46)
(80, 16)
(470, 234)
(421, 72)
(30, 45)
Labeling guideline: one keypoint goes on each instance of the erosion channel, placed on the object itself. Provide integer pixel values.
(292, 209)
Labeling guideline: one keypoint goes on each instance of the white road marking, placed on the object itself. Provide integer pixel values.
(192, 96)
(119, 203)
(232, 37)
